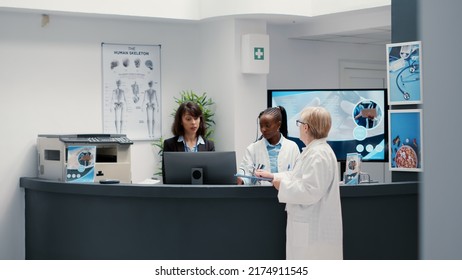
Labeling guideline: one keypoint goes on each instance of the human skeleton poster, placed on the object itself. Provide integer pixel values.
(131, 90)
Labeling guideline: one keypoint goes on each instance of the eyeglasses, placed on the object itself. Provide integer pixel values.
(297, 122)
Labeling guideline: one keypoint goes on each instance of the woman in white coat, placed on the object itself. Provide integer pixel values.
(273, 152)
(311, 192)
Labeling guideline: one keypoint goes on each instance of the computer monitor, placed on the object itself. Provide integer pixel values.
(208, 168)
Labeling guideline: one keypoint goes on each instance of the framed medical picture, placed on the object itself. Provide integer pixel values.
(131, 90)
(405, 140)
(404, 73)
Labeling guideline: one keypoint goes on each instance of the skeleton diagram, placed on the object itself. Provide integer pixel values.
(152, 105)
(136, 91)
(118, 99)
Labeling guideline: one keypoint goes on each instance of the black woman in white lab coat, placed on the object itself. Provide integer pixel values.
(311, 192)
(273, 152)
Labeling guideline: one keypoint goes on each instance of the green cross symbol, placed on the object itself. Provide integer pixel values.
(259, 53)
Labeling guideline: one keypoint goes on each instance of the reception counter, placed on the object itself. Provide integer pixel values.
(130, 221)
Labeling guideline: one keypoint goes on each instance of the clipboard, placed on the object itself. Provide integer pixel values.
(253, 177)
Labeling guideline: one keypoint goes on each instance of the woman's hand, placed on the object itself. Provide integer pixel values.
(276, 183)
(264, 174)
(240, 181)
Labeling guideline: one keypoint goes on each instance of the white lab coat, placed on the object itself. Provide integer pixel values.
(257, 153)
(314, 216)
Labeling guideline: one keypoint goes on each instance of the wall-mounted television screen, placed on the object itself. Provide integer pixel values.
(358, 118)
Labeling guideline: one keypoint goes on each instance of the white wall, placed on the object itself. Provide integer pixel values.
(250, 92)
(50, 82)
(299, 63)
(218, 75)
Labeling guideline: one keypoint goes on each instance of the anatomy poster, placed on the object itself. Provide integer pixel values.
(405, 140)
(404, 70)
(131, 90)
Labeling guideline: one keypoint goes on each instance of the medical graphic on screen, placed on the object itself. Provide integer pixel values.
(358, 118)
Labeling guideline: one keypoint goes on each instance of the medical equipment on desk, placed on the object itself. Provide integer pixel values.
(110, 156)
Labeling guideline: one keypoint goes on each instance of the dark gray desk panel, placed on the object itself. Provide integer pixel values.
(94, 221)
(381, 221)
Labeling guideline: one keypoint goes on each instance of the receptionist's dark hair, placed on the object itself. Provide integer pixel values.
(195, 111)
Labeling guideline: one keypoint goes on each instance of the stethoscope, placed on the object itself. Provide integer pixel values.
(408, 54)
(401, 82)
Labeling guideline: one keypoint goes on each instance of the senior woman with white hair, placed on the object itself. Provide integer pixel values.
(311, 192)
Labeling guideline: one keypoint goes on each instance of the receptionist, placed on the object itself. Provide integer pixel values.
(189, 131)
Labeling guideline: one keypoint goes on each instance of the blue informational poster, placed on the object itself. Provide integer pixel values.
(405, 140)
(404, 73)
(81, 164)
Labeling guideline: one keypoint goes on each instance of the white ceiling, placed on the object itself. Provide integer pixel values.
(373, 36)
(342, 21)
(364, 26)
